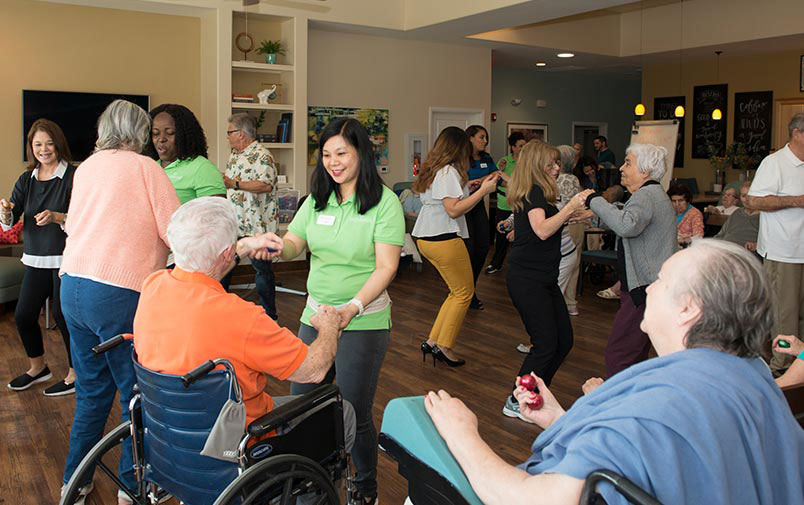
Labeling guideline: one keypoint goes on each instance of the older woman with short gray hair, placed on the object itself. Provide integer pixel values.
(646, 237)
(116, 229)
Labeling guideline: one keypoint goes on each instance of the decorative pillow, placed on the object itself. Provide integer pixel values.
(11, 236)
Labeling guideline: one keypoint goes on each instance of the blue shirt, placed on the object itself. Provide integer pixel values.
(482, 167)
(694, 427)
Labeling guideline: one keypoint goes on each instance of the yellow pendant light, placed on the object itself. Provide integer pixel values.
(679, 112)
(717, 114)
(639, 110)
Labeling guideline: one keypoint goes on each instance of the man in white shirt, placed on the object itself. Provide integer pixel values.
(778, 192)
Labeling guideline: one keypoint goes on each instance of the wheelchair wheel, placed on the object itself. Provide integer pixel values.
(118, 436)
(281, 480)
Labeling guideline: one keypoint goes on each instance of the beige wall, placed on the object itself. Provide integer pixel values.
(777, 72)
(406, 77)
(60, 47)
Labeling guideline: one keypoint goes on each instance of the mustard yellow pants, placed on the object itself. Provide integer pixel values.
(452, 261)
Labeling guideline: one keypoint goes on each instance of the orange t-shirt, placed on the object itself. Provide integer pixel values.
(186, 318)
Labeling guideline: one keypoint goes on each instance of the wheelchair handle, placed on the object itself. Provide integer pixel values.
(109, 344)
(198, 372)
(628, 489)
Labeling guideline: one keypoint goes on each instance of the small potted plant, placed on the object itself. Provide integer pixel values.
(270, 48)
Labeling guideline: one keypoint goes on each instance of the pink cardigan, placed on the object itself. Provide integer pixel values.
(117, 220)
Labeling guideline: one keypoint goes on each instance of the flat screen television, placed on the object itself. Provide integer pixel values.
(75, 112)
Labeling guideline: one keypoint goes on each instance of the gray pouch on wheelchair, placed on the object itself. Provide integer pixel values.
(229, 428)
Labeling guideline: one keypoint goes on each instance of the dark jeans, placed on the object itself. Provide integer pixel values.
(479, 239)
(500, 242)
(544, 313)
(37, 285)
(357, 364)
(627, 344)
(95, 313)
(266, 285)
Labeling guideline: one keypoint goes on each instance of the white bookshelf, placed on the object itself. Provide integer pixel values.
(253, 66)
(277, 145)
(262, 106)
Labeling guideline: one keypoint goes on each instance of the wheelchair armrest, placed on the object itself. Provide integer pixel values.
(294, 408)
(625, 487)
(111, 343)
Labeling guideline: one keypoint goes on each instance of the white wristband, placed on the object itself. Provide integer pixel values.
(360, 309)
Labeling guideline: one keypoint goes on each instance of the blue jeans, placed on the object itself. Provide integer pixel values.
(357, 364)
(264, 282)
(95, 313)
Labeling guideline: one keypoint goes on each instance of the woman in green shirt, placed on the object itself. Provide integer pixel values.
(354, 228)
(179, 145)
(506, 165)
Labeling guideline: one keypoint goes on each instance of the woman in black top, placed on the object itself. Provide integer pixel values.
(42, 195)
(534, 258)
(481, 165)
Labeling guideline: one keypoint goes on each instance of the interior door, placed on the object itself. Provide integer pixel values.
(785, 110)
(441, 118)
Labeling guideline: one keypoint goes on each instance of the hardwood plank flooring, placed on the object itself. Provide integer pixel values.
(34, 429)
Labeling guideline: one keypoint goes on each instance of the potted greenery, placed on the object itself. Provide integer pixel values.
(270, 48)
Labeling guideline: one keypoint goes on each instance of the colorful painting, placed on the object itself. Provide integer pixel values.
(375, 121)
(531, 131)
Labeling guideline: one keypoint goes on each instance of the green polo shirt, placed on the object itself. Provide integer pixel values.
(341, 243)
(194, 178)
(502, 202)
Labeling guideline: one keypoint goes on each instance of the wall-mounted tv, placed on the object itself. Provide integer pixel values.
(76, 113)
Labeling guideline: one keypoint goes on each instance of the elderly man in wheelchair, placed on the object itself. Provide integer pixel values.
(202, 427)
(703, 423)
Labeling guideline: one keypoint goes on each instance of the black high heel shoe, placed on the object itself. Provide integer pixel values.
(440, 356)
(427, 349)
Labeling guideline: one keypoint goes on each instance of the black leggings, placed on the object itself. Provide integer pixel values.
(544, 313)
(500, 240)
(479, 241)
(37, 285)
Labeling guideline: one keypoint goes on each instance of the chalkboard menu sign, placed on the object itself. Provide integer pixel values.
(705, 130)
(665, 108)
(752, 121)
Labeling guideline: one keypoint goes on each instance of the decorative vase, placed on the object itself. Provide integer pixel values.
(270, 58)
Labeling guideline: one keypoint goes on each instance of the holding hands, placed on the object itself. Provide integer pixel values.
(578, 202)
(788, 344)
(262, 247)
(489, 183)
(326, 318)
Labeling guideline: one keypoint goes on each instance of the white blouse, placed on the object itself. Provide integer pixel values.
(433, 219)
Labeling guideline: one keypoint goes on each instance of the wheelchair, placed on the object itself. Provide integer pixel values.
(434, 477)
(296, 450)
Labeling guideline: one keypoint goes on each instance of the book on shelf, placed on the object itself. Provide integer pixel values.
(239, 97)
(282, 131)
(287, 117)
(268, 138)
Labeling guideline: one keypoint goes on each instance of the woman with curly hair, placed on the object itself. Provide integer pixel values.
(179, 145)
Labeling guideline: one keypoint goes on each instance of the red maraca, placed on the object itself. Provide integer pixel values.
(529, 383)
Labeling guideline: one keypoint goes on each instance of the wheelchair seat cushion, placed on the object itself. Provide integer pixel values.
(407, 423)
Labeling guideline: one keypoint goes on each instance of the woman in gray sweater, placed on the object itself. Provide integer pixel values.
(646, 237)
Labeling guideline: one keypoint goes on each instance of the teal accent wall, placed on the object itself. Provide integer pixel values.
(570, 96)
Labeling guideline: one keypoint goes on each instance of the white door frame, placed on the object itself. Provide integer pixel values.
(602, 128)
(481, 112)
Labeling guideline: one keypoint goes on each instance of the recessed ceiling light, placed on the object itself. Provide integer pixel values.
(541, 64)
(565, 55)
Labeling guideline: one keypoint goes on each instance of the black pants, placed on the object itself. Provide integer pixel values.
(265, 285)
(479, 239)
(500, 241)
(37, 285)
(544, 313)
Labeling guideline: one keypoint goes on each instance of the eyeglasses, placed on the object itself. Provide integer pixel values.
(229, 132)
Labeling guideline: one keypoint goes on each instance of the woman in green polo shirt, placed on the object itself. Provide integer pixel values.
(506, 165)
(354, 228)
(179, 145)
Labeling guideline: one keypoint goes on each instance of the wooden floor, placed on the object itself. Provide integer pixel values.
(34, 429)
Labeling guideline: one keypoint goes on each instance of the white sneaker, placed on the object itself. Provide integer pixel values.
(523, 348)
(573, 312)
(82, 493)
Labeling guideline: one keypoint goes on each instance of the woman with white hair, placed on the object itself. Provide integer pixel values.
(116, 237)
(646, 231)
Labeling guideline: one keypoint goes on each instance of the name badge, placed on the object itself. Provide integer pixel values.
(484, 165)
(326, 220)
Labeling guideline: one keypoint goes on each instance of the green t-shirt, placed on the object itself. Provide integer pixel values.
(194, 178)
(502, 202)
(341, 243)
